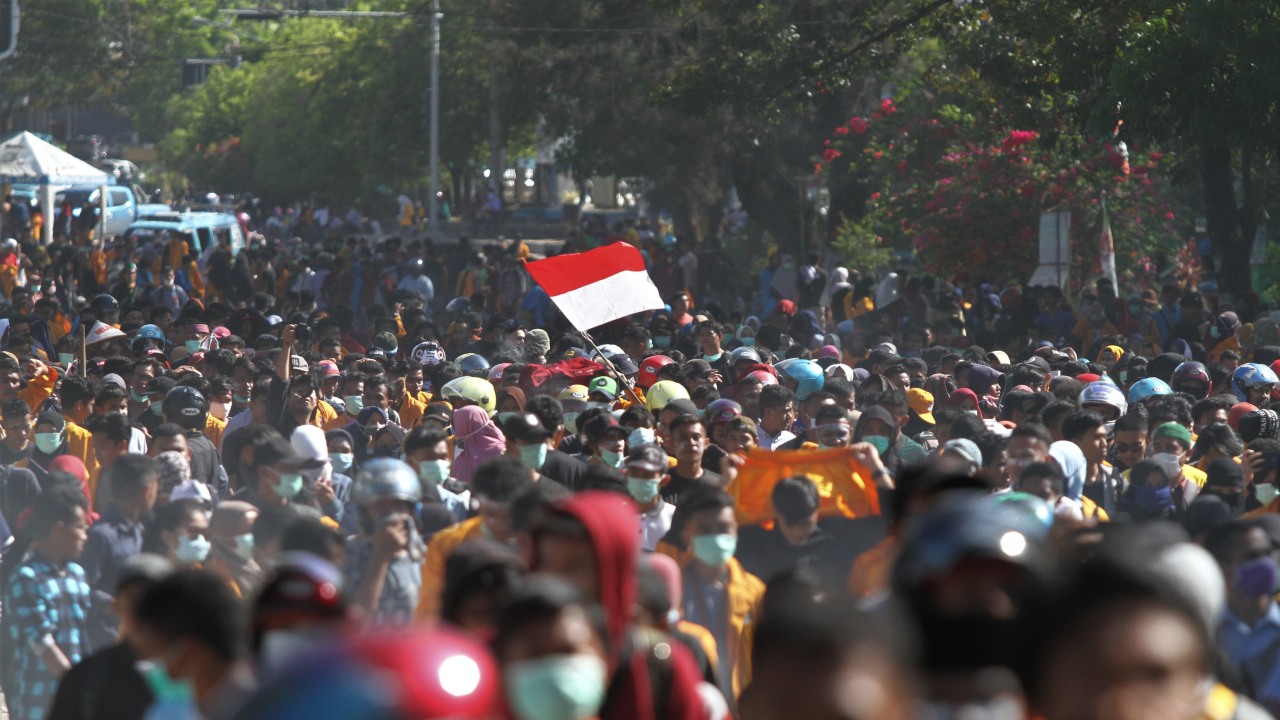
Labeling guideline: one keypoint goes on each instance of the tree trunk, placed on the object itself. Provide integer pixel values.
(1230, 247)
(772, 200)
(497, 138)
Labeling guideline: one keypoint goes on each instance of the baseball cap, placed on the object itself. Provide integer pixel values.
(697, 368)
(742, 423)
(524, 426)
(623, 363)
(606, 386)
(921, 401)
(114, 379)
(602, 425)
(299, 364)
(725, 415)
(573, 392)
(329, 368)
(648, 457)
(278, 451)
(683, 406)
(966, 449)
(882, 355)
(439, 411)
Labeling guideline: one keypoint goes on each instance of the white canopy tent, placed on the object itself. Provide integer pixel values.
(25, 158)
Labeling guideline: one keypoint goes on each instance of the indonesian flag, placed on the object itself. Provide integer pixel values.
(597, 286)
(1107, 249)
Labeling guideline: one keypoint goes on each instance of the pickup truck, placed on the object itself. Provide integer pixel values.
(123, 207)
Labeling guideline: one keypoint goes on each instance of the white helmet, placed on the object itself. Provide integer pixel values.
(1102, 393)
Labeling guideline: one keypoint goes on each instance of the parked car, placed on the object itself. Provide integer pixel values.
(122, 205)
(203, 230)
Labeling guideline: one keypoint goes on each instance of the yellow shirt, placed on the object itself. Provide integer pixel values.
(438, 551)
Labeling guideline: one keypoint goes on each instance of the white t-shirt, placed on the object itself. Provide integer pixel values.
(655, 523)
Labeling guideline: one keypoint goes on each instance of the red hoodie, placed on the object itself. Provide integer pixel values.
(614, 527)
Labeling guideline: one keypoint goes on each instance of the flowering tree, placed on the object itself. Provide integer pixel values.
(965, 192)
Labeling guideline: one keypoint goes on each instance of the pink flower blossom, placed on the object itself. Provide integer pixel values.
(858, 125)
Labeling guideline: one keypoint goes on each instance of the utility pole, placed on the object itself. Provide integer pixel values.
(433, 113)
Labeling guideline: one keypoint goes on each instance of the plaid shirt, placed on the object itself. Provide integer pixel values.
(42, 599)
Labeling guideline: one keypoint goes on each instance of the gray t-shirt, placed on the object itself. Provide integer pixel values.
(403, 585)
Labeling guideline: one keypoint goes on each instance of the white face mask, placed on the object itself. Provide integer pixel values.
(281, 647)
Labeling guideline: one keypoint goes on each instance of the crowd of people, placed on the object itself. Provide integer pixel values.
(323, 477)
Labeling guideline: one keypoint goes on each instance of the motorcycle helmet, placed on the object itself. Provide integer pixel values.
(649, 370)
(663, 392)
(1147, 387)
(1193, 379)
(472, 391)
(185, 407)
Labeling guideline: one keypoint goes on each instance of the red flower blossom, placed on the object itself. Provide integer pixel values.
(830, 154)
(858, 125)
(902, 166)
(877, 155)
(1169, 216)
(1018, 138)
(817, 168)
(886, 106)
(875, 195)
(842, 130)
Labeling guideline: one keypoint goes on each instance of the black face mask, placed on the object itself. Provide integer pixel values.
(385, 451)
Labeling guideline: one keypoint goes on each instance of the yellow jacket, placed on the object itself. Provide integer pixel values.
(79, 445)
(411, 410)
(743, 594)
(213, 428)
(438, 551)
(39, 389)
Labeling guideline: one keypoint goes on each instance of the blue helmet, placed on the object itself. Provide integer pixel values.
(149, 332)
(1147, 387)
(806, 373)
(1251, 375)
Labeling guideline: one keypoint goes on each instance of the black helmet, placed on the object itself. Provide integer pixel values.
(186, 407)
(416, 266)
(103, 304)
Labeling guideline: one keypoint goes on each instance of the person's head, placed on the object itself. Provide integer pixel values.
(189, 627)
(688, 439)
(708, 526)
(1213, 409)
(1218, 441)
(76, 395)
(551, 644)
(496, 483)
(1028, 443)
(777, 408)
(1171, 438)
(168, 437)
(1042, 479)
(377, 392)
(426, 450)
(134, 480)
(15, 418)
(1129, 438)
(480, 578)
(1225, 479)
(10, 378)
(59, 524)
(179, 531)
(110, 437)
(832, 427)
(795, 505)
(740, 435)
(137, 575)
(1245, 552)
(995, 458)
(1088, 431)
(1125, 644)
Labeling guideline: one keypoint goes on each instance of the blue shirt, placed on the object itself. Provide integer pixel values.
(42, 600)
(111, 541)
(1256, 651)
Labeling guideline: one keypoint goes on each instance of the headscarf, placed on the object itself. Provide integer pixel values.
(838, 275)
(174, 471)
(964, 399)
(479, 439)
(309, 441)
(1070, 459)
(511, 392)
(940, 386)
(537, 342)
(73, 466)
(805, 326)
(1228, 474)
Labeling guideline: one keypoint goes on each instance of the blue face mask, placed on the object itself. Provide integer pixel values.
(1151, 499)
(244, 546)
(190, 551)
(192, 345)
(662, 341)
(715, 550)
(140, 399)
(611, 458)
(167, 690)
(289, 485)
(533, 456)
(713, 358)
(643, 490)
(354, 404)
(48, 443)
(556, 687)
(65, 359)
(640, 436)
(747, 341)
(1256, 578)
(341, 462)
(433, 472)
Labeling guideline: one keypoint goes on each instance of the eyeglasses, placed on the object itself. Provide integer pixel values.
(302, 394)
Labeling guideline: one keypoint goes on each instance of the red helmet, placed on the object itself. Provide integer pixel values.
(765, 378)
(649, 368)
(302, 588)
(408, 675)
(1191, 378)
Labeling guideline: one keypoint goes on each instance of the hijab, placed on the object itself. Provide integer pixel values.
(479, 440)
(964, 399)
(837, 276)
(1070, 459)
(512, 392)
(940, 386)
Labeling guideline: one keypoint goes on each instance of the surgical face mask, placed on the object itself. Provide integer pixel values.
(66, 359)
(433, 472)
(611, 458)
(1256, 578)
(571, 422)
(1169, 463)
(192, 345)
(289, 485)
(879, 442)
(643, 490)
(556, 687)
(715, 550)
(281, 647)
(1215, 332)
(601, 405)
(166, 689)
(747, 341)
(641, 436)
(141, 399)
(244, 546)
(341, 462)
(190, 551)
(353, 403)
(662, 341)
(48, 443)
(238, 399)
(713, 358)
(1266, 492)
(533, 456)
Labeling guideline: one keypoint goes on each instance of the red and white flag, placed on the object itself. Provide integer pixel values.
(1107, 249)
(597, 286)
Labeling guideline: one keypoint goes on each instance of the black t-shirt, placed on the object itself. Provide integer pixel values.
(564, 469)
(830, 550)
(680, 485)
(711, 458)
(104, 685)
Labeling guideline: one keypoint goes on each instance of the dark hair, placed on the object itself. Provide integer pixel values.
(114, 426)
(56, 504)
(1220, 436)
(500, 479)
(1212, 403)
(1033, 430)
(773, 397)
(548, 410)
(991, 444)
(1066, 389)
(638, 416)
(14, 407)
(682, 420)
(170, 517)
(706, 393)
(840, 388)
(703, 498)
(1079, 422)
(168, 430)
(1132, 421)
(967, 427)
(530, 505)
(1017, 401)
(1056, 410)
(74, 390)
(947, 415)
(129, 474)
(795, 498)
(311, 535)
(895, 401)
(109, 392)
(196, 605)
(1170, 408)
(1043, 470)
(423, 437)
(541, 599)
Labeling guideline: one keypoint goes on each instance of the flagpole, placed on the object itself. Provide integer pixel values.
(622, 381)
